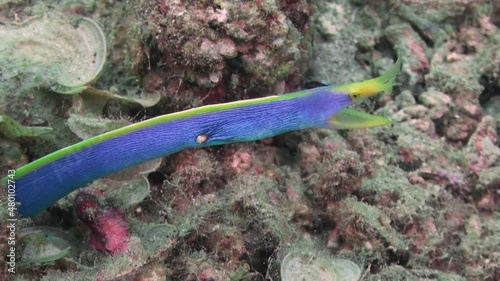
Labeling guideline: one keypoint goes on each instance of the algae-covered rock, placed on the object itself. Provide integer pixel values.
(221, 48)
(396, 273)
(438, 102)
(392, 191)
(481, 147)
(412, 48)
(53, 51)
(362, 224)
(489, 178)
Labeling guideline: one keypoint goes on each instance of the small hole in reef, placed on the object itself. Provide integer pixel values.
(490, 90)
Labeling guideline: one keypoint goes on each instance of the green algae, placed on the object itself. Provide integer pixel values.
(396, 273)
(132, 190)
(480, 241)
(309, 267)
(52, 51)
(12, 129)
(370, 220)
(88, 126)
(489, 178)
(155, 236)
(46, 245)
(141, 97)
(250, 196)
(409, 201)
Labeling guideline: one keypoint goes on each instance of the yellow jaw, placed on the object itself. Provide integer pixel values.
(368, 88)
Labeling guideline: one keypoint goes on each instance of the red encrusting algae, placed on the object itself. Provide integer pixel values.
(109, 232)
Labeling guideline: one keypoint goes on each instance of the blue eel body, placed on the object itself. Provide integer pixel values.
(43, 186)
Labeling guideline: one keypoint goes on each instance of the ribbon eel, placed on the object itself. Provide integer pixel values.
(42, 182)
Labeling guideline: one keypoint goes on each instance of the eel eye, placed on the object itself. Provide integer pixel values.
(354, 96)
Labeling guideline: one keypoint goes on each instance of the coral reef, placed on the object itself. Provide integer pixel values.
(217, 50)
(414, 200)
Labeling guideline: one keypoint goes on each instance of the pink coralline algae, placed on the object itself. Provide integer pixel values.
(109, 231)
(483, 153)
